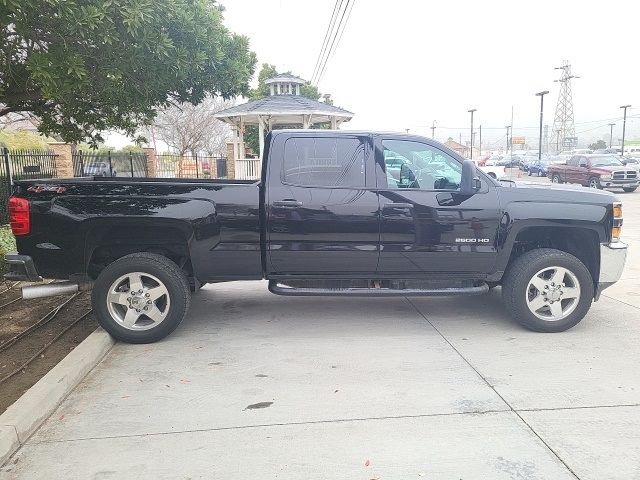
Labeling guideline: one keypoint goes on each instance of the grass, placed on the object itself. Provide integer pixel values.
(7, 244)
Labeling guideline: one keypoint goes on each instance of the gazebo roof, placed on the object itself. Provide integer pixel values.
(285, 78)
(284, 106)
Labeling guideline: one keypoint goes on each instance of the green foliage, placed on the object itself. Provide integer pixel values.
(86, 66)
(7, 244)
(310, 91)
(22, 140)
(598, 145)
(266, 71)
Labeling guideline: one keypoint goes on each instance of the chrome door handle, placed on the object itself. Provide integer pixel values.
(398, 205)
(287, 203)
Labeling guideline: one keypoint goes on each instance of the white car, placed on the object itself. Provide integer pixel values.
(492, 169)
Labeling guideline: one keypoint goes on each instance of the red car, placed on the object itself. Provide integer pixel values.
(595, 171)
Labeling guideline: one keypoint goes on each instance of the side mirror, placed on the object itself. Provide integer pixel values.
(584, 165)
(407, 177)
(470, 182)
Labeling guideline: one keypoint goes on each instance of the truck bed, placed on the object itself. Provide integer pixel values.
(79, 223)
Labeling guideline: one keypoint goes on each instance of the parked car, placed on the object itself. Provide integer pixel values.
(98, 169)
(334, 213)
(539, 167)
(595, 171)
(510, 160)
(630, 161)
(530, 159)
(492, 169)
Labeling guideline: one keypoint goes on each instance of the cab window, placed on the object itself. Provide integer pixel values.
(410, 164)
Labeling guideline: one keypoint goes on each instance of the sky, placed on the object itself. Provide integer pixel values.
(404, 64)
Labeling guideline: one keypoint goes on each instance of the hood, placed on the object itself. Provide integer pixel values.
(609, 168)
(552, 192)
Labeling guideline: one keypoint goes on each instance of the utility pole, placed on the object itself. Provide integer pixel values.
(507, 147)
(433, 129)
(480, 142)
(541, 95)
(611, 125)
(471, 112)
(624, 126)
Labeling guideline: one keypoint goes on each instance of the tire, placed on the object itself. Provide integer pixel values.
(529, 173)
(594, 182)
(164, 294)
(555, 178)
(518, 292)
(540, 173)
(492, 175)
(629, 189)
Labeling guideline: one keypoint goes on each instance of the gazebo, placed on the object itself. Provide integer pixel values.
(283, 106)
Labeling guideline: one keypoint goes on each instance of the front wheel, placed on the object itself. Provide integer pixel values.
(594, 182)
(547, 290)
(141, 298)
(629, 189)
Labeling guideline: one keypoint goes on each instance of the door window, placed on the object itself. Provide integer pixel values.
(324, 162)
(417, 165)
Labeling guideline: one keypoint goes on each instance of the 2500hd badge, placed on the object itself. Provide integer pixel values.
(472, 240)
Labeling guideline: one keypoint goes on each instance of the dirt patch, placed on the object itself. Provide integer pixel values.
(36, 334)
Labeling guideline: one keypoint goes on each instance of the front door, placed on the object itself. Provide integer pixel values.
(322, 207)
(427, 226)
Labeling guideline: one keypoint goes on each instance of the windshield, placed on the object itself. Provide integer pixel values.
(605, 161)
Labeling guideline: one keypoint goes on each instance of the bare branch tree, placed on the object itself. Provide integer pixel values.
(193, 128)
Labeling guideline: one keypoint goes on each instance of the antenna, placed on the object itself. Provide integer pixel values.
(564, 133)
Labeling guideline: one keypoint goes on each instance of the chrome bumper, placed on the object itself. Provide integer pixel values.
(612, 258)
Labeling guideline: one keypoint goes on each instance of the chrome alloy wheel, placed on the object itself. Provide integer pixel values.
(138, 301)
(553, 293)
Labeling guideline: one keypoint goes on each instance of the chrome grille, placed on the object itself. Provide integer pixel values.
(624, 174)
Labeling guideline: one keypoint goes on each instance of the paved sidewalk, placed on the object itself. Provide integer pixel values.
(258, 386)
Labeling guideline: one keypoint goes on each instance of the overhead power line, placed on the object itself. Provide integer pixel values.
(334, 15)
(333, 35)
(334, 45)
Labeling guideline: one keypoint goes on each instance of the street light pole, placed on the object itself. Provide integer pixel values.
(480, 142)
(507, 147)
(611, 125)
(433, 129)
(624, 126)
(541, 95)
(471, 112)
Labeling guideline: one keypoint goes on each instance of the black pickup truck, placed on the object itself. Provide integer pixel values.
(334, 213)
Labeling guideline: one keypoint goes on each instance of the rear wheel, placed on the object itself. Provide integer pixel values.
(141, 298)
(547, 290)
(555, 178)
(594, 182)
(629, 189)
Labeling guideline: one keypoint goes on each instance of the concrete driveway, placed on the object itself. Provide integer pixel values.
(258, 386)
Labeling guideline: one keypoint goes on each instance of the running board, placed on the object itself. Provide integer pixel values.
(280, 289)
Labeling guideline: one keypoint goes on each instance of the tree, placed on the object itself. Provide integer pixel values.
(86, 66)
(22, 140)
(193, 128)
(598, 145)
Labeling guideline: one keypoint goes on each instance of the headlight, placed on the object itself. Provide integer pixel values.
(606, 177)
(616, 230)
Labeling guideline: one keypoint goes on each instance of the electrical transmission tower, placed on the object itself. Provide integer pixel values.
(564, 133)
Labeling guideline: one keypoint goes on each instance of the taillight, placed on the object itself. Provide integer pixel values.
(19, 216)
(616, 229)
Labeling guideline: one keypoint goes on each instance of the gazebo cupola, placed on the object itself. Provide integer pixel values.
(284, 84)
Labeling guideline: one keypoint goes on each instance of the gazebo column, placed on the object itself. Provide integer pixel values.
(306, 121)
(334, 123)
(241, 140)
(261, 135)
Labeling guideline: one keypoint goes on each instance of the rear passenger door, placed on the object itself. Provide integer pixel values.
(322, 207)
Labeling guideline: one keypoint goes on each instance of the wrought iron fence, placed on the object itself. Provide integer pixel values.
(109, 164)
(190, 166)
(22, 164)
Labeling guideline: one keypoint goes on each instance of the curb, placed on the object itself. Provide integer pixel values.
(24, 417)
